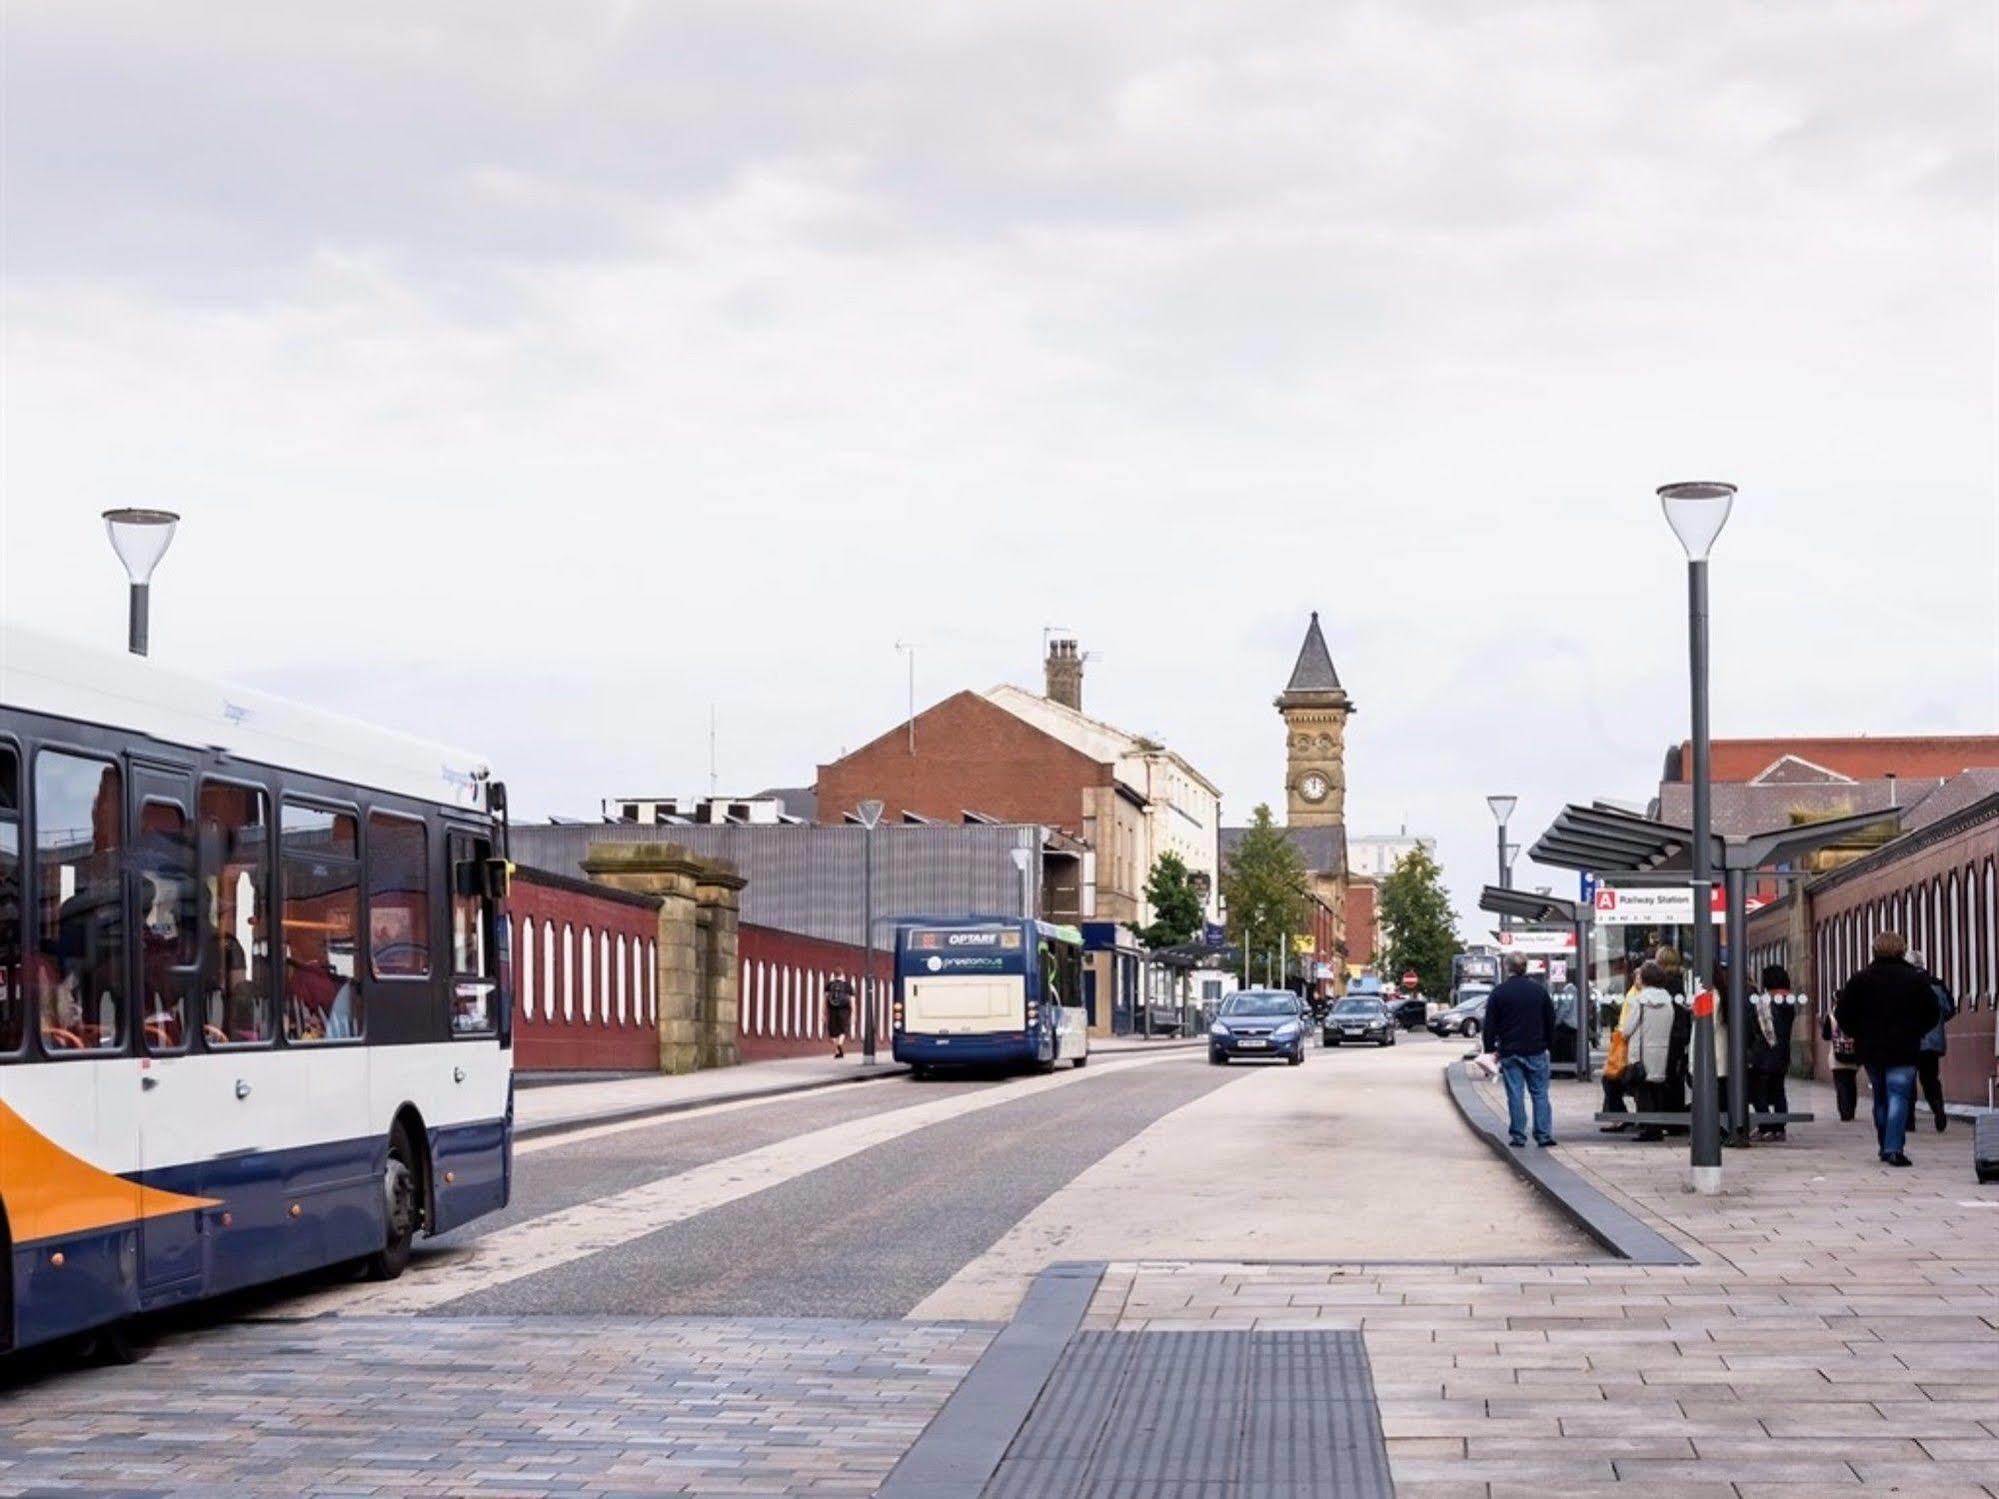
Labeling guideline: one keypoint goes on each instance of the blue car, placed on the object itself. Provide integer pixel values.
(1258, 1023)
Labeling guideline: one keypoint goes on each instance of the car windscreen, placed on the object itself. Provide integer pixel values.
(1358, 1007)
(1260, 1004)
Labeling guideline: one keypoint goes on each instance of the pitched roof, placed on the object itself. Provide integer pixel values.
(1861, 757)
(1324, 849)
(1314, 671)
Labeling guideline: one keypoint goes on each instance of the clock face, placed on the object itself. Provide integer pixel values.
(1313, 787)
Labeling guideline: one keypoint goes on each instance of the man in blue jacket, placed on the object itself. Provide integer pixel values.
(1520, 1027)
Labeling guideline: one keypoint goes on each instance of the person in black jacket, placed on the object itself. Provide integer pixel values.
(1773, 1014)
(1520, 1027)
(1887, 1008)
(839, 1011)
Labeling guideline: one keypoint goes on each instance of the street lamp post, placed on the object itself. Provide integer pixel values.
(871, 816)
(1697, 512)
(140, 538)
(1502, 809)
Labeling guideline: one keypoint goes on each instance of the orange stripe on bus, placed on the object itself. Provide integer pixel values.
(52, 1194)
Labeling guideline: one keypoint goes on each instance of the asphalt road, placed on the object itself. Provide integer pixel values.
(869, 1236)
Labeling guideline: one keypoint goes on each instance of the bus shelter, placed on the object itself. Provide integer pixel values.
(1552, 910)
(1624, 850)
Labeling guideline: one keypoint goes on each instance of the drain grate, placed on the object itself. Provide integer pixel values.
(1201, 1415)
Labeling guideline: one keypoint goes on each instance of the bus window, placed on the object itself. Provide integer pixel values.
(235, 858)
(13, 1001)
(473, 970)
(398, 897)
(164, 859)
(321, 923)
(77, 968)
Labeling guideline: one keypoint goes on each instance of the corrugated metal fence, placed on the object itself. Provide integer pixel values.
(810, 880)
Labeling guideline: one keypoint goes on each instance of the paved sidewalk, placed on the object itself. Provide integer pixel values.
(489, 1406)
(1839, 1333)
(549, 1108)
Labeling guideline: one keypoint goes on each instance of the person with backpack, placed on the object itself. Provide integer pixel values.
(1929, 1060)
(1773, 1014)
(839, 1011)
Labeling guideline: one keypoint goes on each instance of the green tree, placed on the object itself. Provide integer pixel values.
(1417, 924)
(1177, 908)
(1263, 882)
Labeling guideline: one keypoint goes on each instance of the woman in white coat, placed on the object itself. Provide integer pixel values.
(1648, 1028)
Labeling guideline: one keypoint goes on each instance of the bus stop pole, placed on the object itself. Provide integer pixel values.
(1585, 1006)
(1734, 885)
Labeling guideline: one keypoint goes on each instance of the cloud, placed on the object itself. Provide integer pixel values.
(549, 375)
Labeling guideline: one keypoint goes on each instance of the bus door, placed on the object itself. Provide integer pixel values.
(163, 916)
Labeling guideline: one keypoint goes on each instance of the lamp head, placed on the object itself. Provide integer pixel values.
(1697, 512)
(1020, 858)
(1502, 807)
(871, 813)
(140, 538)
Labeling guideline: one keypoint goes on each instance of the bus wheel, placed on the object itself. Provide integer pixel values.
(1082, 1061)
(116, 1344)
(399, 1187)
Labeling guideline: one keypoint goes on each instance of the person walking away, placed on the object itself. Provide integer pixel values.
(839, 1011)
(1617, 1089)
(1929, 1060)
(1887, 1008)
(1845, 1061)
(1773, 1014)
(1520, 1027)
(1649, 1025)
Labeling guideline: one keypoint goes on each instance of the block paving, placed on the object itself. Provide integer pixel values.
(354, 1406)
(1839, 1333)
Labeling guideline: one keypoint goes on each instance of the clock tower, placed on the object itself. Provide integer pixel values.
(1314, 708)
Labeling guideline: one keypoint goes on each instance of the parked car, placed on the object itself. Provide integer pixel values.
(1258, 1023)
(1359, 1018)
(1466, 1017)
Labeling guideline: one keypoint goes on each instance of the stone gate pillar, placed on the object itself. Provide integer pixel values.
(689, 1002)
(719, 913)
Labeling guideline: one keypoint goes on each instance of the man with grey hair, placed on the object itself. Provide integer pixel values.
(1929, 1061)
(1520, 1027)
(1888, 1007)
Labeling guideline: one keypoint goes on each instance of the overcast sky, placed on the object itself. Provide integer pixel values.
(536, 377)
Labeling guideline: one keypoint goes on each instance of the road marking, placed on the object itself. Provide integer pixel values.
(568, 1234)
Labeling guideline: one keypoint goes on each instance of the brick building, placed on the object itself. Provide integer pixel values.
(1009, 755)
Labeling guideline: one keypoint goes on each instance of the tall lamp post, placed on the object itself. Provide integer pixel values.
(871, 814)
(1502, 810)
(140, 538)
(1697, 512)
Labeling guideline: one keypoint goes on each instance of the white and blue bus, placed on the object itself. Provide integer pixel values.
(251, 990)
(981, 991)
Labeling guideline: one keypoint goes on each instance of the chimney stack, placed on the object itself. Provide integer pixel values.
(1065, 674)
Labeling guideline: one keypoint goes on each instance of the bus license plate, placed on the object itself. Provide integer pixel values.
(1250, 1042)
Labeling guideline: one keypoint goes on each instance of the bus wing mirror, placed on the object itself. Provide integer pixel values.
(497, 878)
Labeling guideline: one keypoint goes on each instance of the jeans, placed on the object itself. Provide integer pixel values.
(1845, 1091)
(1929, 1072)
(1527, 1075)
(1894, 1090)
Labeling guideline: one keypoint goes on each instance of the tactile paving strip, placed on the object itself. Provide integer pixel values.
(1202, 1415)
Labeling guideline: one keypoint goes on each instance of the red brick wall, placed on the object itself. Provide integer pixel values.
(781, 993)
(1864, 758)
(1363, 940)
(584, 969)
(1913, 896)
(970, 755)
